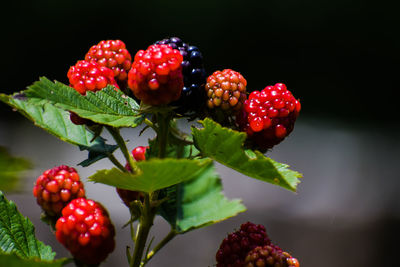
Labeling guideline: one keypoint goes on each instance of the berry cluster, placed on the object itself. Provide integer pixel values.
(127, 196)
(269, 115)
(226, 90)
(172, 72)
(251, 247)
(86, 231)
(113, 55)
(235, 247)
(56, 187)
(156, 75)
(169, 72)
(194, 74)
(90, 76)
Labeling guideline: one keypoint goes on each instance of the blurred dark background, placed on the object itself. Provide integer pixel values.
(341, 58)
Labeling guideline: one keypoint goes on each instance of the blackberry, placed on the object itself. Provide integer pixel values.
(56, 187)
(236, 246)
(90, 76)
(226, 91)
(156, 75)
(269, 115)
(194, 75)
(113, 55)
(85, 229)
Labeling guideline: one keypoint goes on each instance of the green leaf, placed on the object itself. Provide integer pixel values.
(10, 170)
(107, 106)
(12, 260)
(17, 234)
(226, 146)
(154, 174)
(198, 202)
(56, 121)
(97, 152)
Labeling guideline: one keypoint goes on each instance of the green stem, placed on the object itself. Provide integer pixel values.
(121, 143)
(148, 211)
(116, 162)
(145, 223)
(162, 134)
(159, 246)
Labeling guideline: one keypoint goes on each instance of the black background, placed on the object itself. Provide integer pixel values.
(341, 58)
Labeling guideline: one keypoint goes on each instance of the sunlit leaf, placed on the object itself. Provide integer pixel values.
(227, 147)
(154, 174)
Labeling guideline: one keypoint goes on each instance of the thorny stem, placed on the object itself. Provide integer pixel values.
(121, 143)
(159, 246)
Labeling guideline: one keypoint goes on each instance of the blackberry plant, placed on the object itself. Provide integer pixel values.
(172, 176)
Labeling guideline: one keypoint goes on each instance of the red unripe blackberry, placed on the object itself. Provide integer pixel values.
(113, 55)
(236, 246)
(85, 229)
(226, 90)
(139, 153)
(269, 256)
(269, 115)
(127, 196)
(56, 187)
(156, 75)
(90, 76)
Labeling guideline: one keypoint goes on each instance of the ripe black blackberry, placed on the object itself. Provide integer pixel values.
(194, 75)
